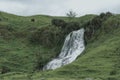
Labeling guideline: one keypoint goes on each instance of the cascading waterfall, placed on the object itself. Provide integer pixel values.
(72, 48)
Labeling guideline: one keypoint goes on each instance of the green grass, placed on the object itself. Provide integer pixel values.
(16, 52)
(99, 61)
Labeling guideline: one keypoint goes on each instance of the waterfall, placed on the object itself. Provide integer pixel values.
(72, 48)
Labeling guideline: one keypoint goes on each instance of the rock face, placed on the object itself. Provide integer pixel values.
(72, 48)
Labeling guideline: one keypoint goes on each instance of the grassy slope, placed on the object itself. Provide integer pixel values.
(16, 53)
(98, 60)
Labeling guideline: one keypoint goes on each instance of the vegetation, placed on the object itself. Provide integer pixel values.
(93, 27)
(71, 14)
(28, 43)
(58, 23)
(19, 51)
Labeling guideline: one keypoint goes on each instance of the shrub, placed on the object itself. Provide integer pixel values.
(102, 15)
(113, 72)
(71, 26)
(4, 69)
(32, 20)
(58, 23)
(105, 15)
(92, 28)
(96, 22)
(47, 36)
(108, 14)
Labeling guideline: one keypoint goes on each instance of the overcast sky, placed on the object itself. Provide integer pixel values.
(59, 7)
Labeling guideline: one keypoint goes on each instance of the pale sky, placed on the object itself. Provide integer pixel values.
(59, 7)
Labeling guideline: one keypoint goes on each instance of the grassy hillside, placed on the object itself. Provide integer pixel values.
(100, 60)
(17, 54)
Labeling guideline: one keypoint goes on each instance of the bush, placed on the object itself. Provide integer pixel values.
(114, 72)
(4, 69)
(105, 15)
(71, 26)
(102, 15)
(92, 28)
(32, 20)
(58, 23)
(47, 36)
(108, 14)
(97, 22)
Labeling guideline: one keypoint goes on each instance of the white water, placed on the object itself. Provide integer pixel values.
(72, 48)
